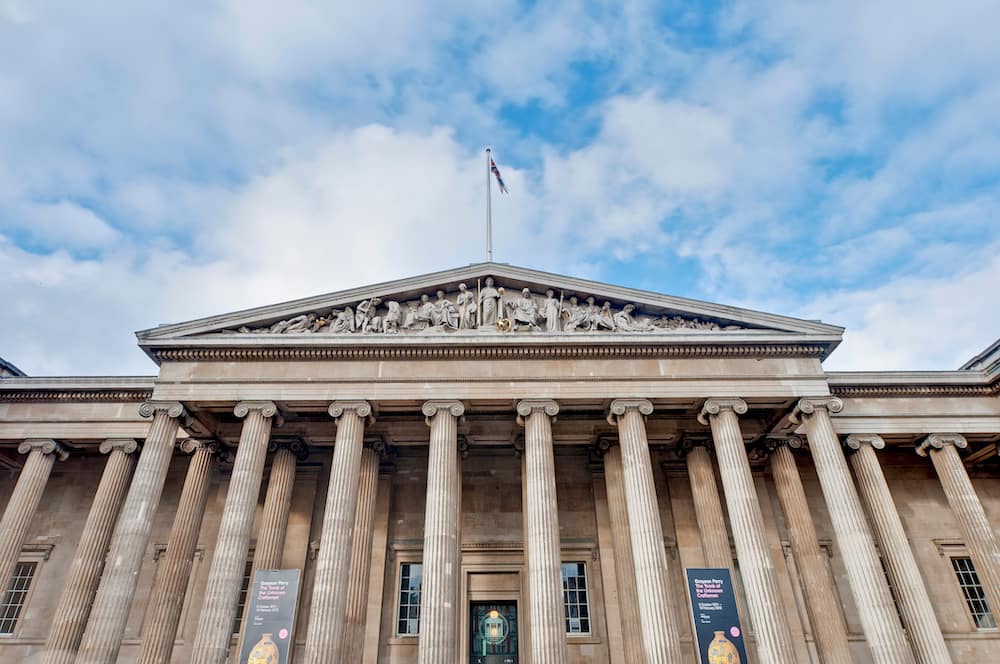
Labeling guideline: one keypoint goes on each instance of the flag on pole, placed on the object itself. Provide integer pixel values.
(496, 172)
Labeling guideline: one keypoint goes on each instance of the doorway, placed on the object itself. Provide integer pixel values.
(493, 632)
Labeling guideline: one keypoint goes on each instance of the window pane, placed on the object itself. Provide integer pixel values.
(15, 596)
(972, 589)
(574, 580)
(408, 618)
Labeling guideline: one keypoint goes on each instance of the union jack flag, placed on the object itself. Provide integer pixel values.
(496, 172)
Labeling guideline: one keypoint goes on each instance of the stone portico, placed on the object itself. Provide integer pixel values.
(494, 429)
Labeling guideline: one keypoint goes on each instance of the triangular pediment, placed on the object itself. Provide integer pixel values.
(486, 301)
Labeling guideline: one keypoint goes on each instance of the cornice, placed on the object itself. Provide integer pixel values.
(887, 384)
(72, 388)
(498, 352)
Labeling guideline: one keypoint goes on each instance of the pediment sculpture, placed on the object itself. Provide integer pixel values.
(488, 308)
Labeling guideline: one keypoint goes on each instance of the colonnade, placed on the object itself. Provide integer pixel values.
(90, 619)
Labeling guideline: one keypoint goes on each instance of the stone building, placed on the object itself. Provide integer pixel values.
(492, 439)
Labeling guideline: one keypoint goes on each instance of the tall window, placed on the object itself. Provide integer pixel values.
(972, 589)
(574, 581)
(15, 596)
(408, 616)
(244, 591)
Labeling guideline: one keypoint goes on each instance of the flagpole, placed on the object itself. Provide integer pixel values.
(489, 210)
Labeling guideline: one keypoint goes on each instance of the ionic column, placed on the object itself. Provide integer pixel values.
(71, 613)
(825, 616)
(980, 538)
(660, 633)
(277, 503)
(914, 603)
(628, 600)
(325, 639)
(103, 637)
(708, 507)
(854, 539)
(167, 597)
(439, 616)
(547, 613)
(361, 554)
(774, 639)
(20, 510)
(215, 623)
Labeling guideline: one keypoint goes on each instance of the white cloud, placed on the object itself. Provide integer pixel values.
(913, 323)
(63, 224)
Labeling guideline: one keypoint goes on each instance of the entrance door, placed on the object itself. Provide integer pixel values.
(493, 627)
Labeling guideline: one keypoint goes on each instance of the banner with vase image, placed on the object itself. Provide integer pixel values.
(718, 633)
(270, 619)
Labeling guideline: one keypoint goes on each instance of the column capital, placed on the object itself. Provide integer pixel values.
(362, 408)
(294, 444)
(808, 406)
(266, 408)
(126, 445)
(791, 441)
(939, 440)
(690, 441)
(619, 407)
(431, 408)
(526, 406)
(856, 440)
(45, 446)
(715, 405)
(174, 409)
(192, 445)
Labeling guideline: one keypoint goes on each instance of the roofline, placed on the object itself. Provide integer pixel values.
(912, 383)
(724, 312)
(4, 364)
(993, 367)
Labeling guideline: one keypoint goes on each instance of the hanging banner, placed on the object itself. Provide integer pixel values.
(718, 634)
(270, 623)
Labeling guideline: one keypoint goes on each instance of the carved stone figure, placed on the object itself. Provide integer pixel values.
(365, 314)
(489, 299)
(603, 318)
(391, 320)
(524, 311)
(343, 321)
(300, 324)
(445, 313)
(551, 311)
(576, 315)
(466, 308)
(678, 323)
(626, 322)
(426, 312)
(410, 322)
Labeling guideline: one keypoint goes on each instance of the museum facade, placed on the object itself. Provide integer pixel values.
(497, 465)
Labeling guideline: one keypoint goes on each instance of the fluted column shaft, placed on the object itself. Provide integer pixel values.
(621, 536)
(103, 636)
(325, 639)
(660, 632)
(854, 540)
(541, 522)
(215, 623)
(825, 616)
(980, 538)
(361, 557)
(274, 517)
(20, 510)
(71, 613)
(914, 603)
(439, 615)
(774, 639)
(708, 508)
(170, 585)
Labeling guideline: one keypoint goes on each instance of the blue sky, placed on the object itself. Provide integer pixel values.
(831, 160)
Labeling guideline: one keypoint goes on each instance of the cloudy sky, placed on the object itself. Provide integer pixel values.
(165, 161)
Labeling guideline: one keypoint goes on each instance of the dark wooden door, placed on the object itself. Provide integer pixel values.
(493, 627)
